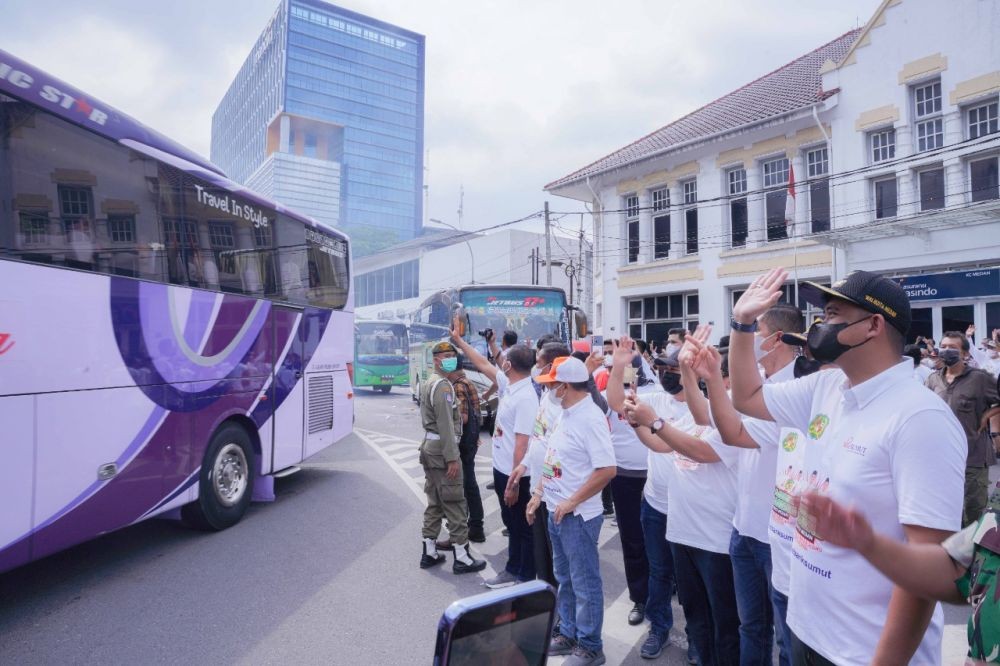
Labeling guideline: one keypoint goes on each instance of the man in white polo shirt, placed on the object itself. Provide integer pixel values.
(579, 462)
(757, 441)
(515, 421)
(875, 439)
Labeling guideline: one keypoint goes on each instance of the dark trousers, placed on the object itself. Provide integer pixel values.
(661, 570)
(627, 494)
(520, 544)
(606, 499)
(542, 544)
(705, 590)
(803, 655)
(467, 454)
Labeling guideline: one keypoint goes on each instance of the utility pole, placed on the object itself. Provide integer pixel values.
(570, 271)
(548, 247)
(579, 264)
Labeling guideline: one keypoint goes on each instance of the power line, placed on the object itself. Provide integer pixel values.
(835, 180)
(727, 235)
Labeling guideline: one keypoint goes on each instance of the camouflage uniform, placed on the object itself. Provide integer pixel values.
(442, 421)
(977, 548)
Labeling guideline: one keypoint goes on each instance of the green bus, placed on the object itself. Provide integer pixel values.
(380, 355)
(531, 311)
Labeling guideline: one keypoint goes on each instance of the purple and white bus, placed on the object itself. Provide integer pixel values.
(169, 341)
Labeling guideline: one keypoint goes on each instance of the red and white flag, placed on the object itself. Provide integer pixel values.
(790, 199)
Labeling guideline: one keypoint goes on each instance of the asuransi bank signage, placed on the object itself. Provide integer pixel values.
(958, 284)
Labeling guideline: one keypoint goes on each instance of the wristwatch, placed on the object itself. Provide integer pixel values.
(656, 425)
(743, 328)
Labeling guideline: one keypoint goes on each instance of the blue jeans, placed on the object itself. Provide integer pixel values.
(781, 630)
(575, 560)
(661, 570)
(752, 581)
(705, 589)
(520, 542)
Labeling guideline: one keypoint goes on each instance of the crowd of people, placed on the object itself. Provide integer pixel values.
(818, 488)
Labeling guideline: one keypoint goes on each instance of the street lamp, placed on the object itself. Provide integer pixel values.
(472, 260)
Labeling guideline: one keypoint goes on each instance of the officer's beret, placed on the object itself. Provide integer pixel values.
(443, 347)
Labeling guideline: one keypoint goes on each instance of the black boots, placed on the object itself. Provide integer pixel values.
(430, 556)
(464, 562)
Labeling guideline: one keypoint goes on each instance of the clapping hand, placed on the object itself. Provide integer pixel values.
(840, 525)
(762, 293)
(638, 413)
(594, 361)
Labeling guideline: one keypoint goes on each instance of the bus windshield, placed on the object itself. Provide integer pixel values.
(532, 313)
(380, 339)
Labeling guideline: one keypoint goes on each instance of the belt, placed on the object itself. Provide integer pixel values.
(432, 436)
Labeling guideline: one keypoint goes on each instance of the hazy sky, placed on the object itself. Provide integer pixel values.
(519, 92)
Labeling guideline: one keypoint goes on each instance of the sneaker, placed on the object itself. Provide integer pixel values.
(477, 536)
(614, 522)
(502, 579)
(637, 614)
(505, 532)
(692, 655)
(561, 644)
(490, 486)
(609, 511)
(583, 657)
(652, 647)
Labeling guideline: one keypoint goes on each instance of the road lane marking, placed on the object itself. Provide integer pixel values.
(410, 482)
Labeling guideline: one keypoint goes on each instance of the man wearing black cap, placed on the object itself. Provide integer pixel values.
(887, 445)
(440, 458)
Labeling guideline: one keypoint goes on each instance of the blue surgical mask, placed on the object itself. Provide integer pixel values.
(449, 364)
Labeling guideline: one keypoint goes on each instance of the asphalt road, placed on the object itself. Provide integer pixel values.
(328, 573)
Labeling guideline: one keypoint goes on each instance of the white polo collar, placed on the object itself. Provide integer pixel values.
(862, 394)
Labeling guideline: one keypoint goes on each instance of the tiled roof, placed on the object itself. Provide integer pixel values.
(795, 86)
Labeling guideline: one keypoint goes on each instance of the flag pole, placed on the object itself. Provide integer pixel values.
(791, 223)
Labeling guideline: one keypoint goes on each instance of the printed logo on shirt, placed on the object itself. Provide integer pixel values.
(805, 524)
(856, 449)
(551, 468)
(685, 464)
(790, 441)
(818, 426)
(786, 502)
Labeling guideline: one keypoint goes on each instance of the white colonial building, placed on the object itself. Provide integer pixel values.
(687, 216)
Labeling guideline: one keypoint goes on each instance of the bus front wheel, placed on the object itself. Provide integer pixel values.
(225, 483)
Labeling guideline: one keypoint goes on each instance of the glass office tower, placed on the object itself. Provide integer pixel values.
(327, 116)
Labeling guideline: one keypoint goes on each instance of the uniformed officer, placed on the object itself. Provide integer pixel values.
(440, 459)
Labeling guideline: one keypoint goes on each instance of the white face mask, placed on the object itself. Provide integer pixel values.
(556, 398)
(608, 361)
(758, 344)
(535, 371)
(671, 348)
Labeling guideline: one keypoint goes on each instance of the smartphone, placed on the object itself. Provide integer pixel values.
(512, 625)
(631, 375)
(596, 344)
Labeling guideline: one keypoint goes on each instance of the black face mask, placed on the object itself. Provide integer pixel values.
(671, 383)
(823, 344)
(805, 366)
(949, 356)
